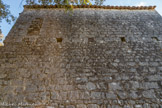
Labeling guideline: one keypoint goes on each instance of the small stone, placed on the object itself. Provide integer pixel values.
(146, 105)
(93, 78)
(154, 64)
(127, 106)
(115, 106)
(63, 95)
(135, 85)
(149, 85)
(81, 80)
(61, 106)
(152, 69)
(81, 86)
(102, 86)
(117, 60)
(155, 78)
(92, 106)
(131, 63)
(122, 95)
(31, 88)
(133, 70)
(73, 95)
(70, 106)
(114, 86)
(96, 95)
(55, 95)
(115, 64)
(113, 70)
(81, 106)
(111, 96)
(108, 106)
(131, 102)
(84, 95)
(50, 107)
(3, 75)
(67, 87)
(143, 63)
(149, 94)
(90, 86)
(138, 106)
(133, 95)
(154, 106)
(107, 78)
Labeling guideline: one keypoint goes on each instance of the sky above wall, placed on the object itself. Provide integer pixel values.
(16, 7)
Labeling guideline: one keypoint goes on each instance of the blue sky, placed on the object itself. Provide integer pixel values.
(16, 7)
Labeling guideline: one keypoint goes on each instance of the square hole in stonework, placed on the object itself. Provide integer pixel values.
(91, 39)
(59, 39)
(155, 38)
(123, 39)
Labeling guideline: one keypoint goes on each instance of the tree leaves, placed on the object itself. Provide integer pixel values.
(63, 2)
(5, 13)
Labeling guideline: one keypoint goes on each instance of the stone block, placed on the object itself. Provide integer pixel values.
(146, 105)
(81, 106)
(96, 95)
(55, 95)
(111, 95)
(122, 94)
(90, 86)
(70, 106)
(138, 106)
(93, 106)
(114, 86)
(149, 94)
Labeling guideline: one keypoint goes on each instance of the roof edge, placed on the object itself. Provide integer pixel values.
(92, 6)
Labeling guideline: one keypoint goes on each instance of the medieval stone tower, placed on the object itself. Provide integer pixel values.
(96, 57)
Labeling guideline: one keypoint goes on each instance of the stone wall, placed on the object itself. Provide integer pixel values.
(93, 58)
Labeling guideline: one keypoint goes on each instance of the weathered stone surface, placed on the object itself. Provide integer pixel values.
(133, 95)
(111, 95)
(146, 105)
(96, 95)
(70, 106)
(149, 94)
(90, 86)
(114, 86)
(81, 106)
(94, 58)
(138, 106)
(93, 106)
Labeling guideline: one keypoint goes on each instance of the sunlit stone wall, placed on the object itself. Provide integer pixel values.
(92, 58)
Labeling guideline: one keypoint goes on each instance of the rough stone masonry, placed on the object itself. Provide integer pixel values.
(92, 58)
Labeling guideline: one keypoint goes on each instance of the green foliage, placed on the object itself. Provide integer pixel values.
(67, 4)
(58, 2)
(5, 13)
(63, 2)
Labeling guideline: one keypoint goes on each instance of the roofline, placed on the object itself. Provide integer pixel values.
(92, 6)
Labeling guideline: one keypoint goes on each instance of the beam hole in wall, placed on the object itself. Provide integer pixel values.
(91, 39)
(155, 38)
(123, 39)
(59, 39)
